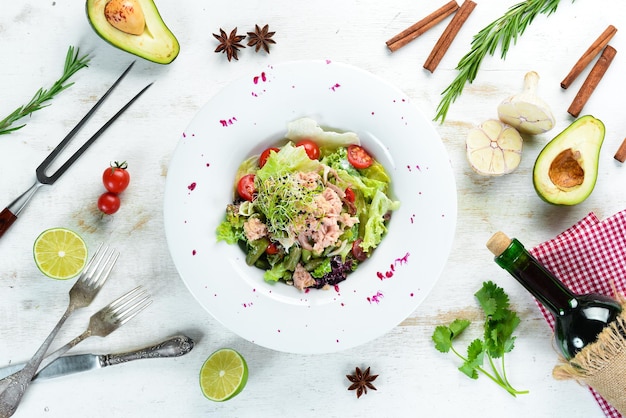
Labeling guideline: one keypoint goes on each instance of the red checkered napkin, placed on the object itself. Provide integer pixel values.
(588, 257)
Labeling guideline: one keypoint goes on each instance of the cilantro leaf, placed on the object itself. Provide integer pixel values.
(444, 335)
(493, 300)
(499, 333)
(474, 361)
(442, 338)
(458, 326)
(499, 325)
(475, 352)
(469, 370)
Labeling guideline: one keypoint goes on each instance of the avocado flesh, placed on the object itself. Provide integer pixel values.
(566, 170)
(157, 43)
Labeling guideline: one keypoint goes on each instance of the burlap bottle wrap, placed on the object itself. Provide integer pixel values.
(602, 365)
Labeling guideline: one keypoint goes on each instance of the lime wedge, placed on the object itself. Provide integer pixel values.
(60, 253)
(223, 375)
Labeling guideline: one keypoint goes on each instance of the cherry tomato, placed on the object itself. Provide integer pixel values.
(245, 187)
(357, 251)
(311, 148)
(116, 178)
(265, 155)
(350, 196)
(109, 203)
(272, 248)
(358, 157)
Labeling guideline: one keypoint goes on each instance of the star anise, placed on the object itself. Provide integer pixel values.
(229, 44)
(361, 381)
(261, 38)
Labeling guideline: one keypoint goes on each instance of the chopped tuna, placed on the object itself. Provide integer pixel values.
(302, 278)
(254, 229)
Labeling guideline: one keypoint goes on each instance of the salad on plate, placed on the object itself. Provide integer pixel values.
(309, 211)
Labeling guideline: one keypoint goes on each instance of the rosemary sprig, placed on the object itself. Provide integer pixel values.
(73, 63)
(502, 31)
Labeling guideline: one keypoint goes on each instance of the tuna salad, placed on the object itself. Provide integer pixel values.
(310, 211)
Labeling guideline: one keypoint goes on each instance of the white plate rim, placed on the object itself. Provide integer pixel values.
(258, 106)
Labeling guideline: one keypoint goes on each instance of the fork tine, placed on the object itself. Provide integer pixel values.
(98, 280)
(127, 306)
(124, 299)
(94, 264)
(132, 311)
(88, 268)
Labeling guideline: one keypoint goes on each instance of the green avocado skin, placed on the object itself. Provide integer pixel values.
(585, 136)
(161, 46)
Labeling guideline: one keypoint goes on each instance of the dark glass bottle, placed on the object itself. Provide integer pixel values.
(578, 318)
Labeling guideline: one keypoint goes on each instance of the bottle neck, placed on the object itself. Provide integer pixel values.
(540, 282)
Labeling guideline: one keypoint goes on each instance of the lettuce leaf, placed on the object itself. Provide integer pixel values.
(226, 232)
(290, 159)
(231, 229)
(308, 128)
(375, 225)
(323, 269)
(338, 159)
(276, 273)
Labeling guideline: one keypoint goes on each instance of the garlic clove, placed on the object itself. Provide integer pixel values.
(525, 111)
(125, 15)
(494, 148)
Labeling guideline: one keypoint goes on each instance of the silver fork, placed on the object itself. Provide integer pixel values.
(108, 319)
(81, 294)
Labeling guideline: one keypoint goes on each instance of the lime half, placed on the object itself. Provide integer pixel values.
(223, 375)
(60, 253)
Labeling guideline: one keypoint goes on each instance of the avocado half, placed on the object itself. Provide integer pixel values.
(566, 170)
(154, 42)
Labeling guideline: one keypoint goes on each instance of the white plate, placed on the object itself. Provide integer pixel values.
(249, 115)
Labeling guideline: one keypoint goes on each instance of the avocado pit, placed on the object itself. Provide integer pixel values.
(565, 171)
(125, 15)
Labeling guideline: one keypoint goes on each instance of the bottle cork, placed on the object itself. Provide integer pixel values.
(498, 243)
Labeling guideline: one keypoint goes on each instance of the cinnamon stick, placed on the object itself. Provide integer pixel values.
(590, 53)
(422, 26)
(448, 35)
(620, 155)
(592, 80)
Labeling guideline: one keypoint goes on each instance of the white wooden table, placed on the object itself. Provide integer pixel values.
(415, 380)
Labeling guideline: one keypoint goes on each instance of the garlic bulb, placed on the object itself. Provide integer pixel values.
(494, 148)
(525, 111)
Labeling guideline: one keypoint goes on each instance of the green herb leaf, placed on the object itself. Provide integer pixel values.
(442, 338)
(499, 325)
(444, 335)
(73, 63)
(493, 300)
(502, 31)
(458, 326)
(474, 361)
(499, 334)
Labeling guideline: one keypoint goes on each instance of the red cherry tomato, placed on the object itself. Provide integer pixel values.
(358, 157)
(350, 196)
(245, 187)
(265, 155)
(109, 203)
(357, 251)
(272, 248)
(116, 178)
(311, 148)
